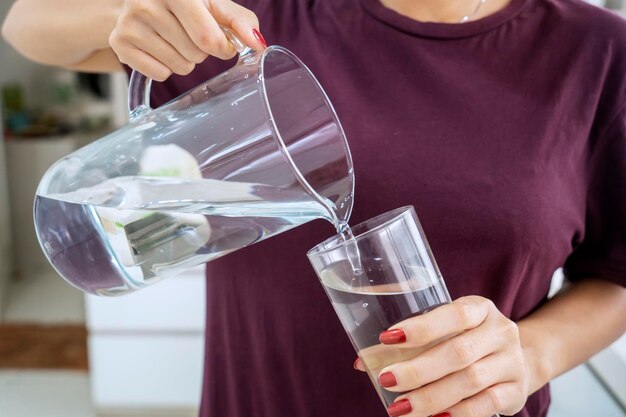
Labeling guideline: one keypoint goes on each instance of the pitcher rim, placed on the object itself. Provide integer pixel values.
(277, 135)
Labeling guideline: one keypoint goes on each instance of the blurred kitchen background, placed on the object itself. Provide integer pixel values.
(66, 354)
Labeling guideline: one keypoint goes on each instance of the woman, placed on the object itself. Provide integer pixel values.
(502, 121)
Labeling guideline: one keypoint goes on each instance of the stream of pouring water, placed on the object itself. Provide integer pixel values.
(352, 249)
(343, 229)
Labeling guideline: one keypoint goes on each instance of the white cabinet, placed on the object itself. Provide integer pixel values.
(173, 305)
(146, 349)
(146, 371)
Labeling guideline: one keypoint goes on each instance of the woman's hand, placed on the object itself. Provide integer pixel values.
(161, 37)
(474, 366)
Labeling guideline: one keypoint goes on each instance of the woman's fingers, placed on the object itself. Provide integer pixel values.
(471, 362)
(506, 398)
(170, 29)
(168, 56)
(445, 358)
(202, 28)
(137, 43)
(142, 62)
(463, 314)
(179, 34)
(139, 36)
(454, 388)
(502, 398)
(358, 365)
(239, 19)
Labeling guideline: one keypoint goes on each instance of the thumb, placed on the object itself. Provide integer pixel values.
(243, 22)
(358, 365)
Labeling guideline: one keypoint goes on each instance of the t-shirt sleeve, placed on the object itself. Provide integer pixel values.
(602, 252)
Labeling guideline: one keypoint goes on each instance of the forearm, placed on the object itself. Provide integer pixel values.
(570, 328)
(60, 32)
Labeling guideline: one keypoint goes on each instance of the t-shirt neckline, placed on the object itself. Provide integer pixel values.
(443, 30)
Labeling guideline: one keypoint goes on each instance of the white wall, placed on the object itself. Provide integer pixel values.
(15, 68)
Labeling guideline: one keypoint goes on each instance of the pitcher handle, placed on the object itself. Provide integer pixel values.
(139, 85)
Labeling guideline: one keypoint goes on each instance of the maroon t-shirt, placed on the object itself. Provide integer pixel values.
(507, 134)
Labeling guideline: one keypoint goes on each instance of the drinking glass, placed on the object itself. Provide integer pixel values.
(385, 274)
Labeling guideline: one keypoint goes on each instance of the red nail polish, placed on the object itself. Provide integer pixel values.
(356, 363)
(259, 37)
(392, 337)
(443, 415)
(399, 408)
(387, 379)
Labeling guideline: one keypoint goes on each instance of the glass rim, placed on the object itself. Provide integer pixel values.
(277, 135)
(334, 242)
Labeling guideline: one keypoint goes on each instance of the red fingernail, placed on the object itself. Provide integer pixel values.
(259, 37)
(399, 408)
(356, 363)
(392, 337)
(387, 379)
(443, 415)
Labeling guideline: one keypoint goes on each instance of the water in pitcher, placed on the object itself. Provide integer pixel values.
(122, 234)
(367, 310)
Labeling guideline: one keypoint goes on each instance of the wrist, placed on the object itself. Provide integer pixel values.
(537, 356)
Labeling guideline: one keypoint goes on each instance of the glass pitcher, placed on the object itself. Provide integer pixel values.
(253, 152)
